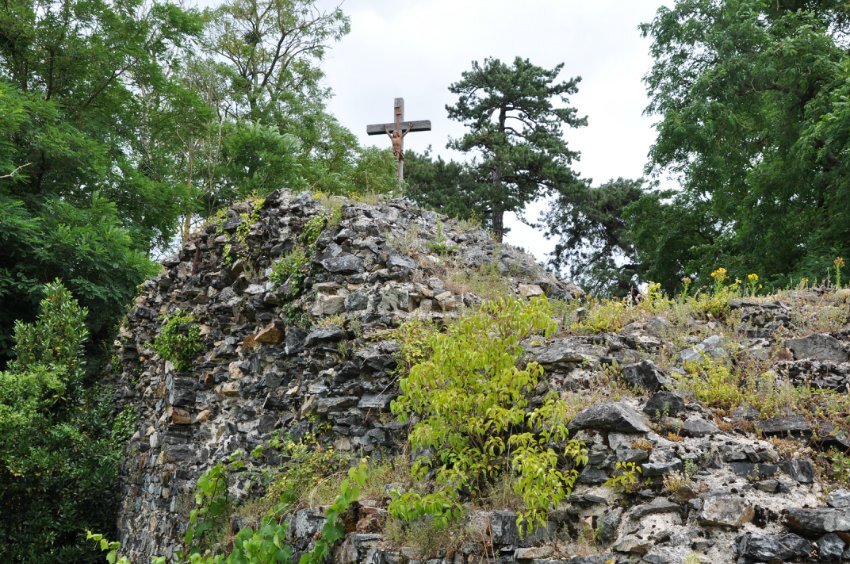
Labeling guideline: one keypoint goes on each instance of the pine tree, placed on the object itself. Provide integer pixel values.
(515, 132)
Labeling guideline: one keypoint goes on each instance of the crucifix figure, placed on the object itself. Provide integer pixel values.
(396, 131)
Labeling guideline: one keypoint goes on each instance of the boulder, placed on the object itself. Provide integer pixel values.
(726, 511)
(773, 548)
(818, 522)
(645, 375)
(839, 498)
(819, 346)
(663, 404)
(615, 416)
(790, 425)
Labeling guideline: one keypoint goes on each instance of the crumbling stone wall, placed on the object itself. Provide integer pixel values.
(275, 364)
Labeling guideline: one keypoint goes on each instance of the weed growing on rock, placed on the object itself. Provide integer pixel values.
(840, 466)
(179, 340)
(313, 227)
(240, 236)
(626, 478)
(486, 281)
(472, 405)
(441, 244)
(290, 271)
(710, 382)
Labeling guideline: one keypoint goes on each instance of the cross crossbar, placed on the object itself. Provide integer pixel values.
(384, 128)
(396, 131)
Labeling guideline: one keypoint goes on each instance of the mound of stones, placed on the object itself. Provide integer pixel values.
(713, 488)
(274, 363)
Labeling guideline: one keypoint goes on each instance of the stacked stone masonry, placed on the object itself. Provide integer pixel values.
(276, 364)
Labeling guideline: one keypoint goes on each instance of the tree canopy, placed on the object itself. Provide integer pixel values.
(751, 98)
(84, 188)
(515, 131)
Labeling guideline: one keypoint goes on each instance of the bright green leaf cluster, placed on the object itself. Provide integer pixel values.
(471, 402)
(179, 340)
(290, 271)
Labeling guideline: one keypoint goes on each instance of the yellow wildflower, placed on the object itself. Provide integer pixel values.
(719, 275)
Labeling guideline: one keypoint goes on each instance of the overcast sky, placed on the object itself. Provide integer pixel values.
(415, 48)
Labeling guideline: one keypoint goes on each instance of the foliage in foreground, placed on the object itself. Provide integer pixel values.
(249, 546)
(471, 402)
(60, 447)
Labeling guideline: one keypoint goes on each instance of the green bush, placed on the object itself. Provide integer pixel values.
(312, 229)
(60, 446)
(710, 382)
(471, 402)
(179, 340)
(291, 270)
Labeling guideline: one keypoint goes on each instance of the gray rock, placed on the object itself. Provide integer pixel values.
(658, 505)
(616, 416)
(505, 531)
(655, 469)
(380, 401)
(818, 346)
(830, 548)
(324, 335)
(343, 264)
(401, 262)
(305, 524)
(567, 353)
(790, 425)
(726, 511)
(664, 404)
(609, 523)
(817, 522)
(839, 498)
(753, 470)
(645, 375)
(800, 469)
(712, 347)
(632, 544)
(773, 548)
(696, 426)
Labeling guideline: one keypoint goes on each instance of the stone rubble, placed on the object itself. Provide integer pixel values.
(325, 359)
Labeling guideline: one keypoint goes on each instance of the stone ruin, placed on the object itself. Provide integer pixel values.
(276, 362)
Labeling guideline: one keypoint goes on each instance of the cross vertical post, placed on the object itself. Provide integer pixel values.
(396, 132)
(398, 111)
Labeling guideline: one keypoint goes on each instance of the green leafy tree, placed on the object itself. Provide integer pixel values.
(262, 76)
(60, 449)
(515, 131)
(751, 96)
(88, 103)
(470, 399)
(594, 243)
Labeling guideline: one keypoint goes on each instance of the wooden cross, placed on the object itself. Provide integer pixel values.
(396, 132)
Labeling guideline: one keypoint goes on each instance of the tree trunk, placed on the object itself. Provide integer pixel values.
(498, 214)
(498, 224)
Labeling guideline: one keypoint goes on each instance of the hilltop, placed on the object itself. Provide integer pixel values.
(267, 356)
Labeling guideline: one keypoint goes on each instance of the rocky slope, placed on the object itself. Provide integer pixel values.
(723, 475)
